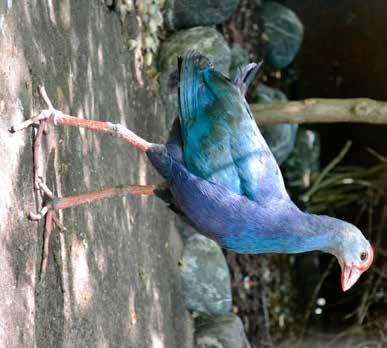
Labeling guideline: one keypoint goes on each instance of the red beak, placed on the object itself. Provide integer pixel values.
(351, 273)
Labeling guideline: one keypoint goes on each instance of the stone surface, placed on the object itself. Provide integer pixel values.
(180, 14)
(239, 58)
(113, 278)
(206, 40)
(280, 137)
(203, 39)
(266, 95)
(149, 13)
(220, 332)
(285, 33)
(304, 161)
(206, 278)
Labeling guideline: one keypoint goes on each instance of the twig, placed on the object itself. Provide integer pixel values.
(359, 110)
(306, 196)
(377, 155)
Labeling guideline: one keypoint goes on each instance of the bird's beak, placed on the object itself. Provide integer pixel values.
(351, 273)
(349, 276)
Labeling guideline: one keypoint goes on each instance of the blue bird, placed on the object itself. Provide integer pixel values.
(221, 175)
(227, 183)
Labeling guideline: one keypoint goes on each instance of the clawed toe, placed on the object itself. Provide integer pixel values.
(44, 188)
(41, 186)
(50, 113)
(49, 213)
(40, 215)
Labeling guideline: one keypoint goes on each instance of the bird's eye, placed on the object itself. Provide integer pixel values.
(363, 256)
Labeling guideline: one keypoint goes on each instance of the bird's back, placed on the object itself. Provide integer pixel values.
(221, 141)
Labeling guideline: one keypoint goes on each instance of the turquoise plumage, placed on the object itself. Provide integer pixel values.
(222, 142)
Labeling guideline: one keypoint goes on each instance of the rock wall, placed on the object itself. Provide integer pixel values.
(112, 278)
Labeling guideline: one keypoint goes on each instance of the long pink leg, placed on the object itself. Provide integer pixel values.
(54, 204)
(38, 140)
(59, 118)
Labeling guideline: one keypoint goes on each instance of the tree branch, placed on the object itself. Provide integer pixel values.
(361, 110)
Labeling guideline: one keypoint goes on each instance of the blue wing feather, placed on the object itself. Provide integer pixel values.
(221, 141)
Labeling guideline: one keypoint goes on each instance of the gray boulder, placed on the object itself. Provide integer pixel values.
(181, 14)
(304, 161)
(285, 32)
(267, 95)
(280, 137)
(239, 58)
(220, 332)
(206, 278)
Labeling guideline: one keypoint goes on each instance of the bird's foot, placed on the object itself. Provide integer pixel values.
(48, 211)
(42, 119)
(44, 115)
(53, 204)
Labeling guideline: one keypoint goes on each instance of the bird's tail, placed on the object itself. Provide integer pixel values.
(193, 97)
(246, 75)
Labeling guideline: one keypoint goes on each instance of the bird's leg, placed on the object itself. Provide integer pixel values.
(38, 140)
(54, 204)
(50, 114)
(59, 118)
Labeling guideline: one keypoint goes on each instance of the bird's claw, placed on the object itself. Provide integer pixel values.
(45, 115)
(48, 114)
(40, 215)
(41, 185)
(48, 211)
(50, 204)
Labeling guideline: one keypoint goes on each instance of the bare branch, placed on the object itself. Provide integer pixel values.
(357, 110)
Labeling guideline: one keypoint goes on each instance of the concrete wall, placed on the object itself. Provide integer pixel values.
(113, 278)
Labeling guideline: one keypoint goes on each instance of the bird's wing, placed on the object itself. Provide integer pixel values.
(205, 142)
(221, 141)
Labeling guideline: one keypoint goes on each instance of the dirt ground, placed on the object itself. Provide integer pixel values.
(113, 277)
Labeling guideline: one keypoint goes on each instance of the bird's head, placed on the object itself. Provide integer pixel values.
(354, 253)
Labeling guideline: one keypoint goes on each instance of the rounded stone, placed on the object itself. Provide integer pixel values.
(180, 14)
(207, 41)
(304, 161)
(221, 332)
(284, 31)
(205, 277)
(264, 94)
(239, 58)
(279, 137)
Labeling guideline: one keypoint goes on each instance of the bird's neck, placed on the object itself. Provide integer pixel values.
(314, 232)
(280, 227)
